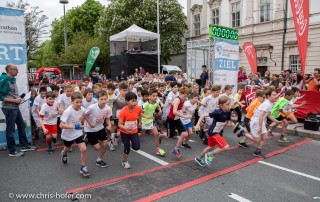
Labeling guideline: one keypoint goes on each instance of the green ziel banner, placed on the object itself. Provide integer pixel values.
(92, 56)
(218, 31)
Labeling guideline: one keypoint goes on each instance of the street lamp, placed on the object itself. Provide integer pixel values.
(270, 51)
(64, 2)
(158, 31)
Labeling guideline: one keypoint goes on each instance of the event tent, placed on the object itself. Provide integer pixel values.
(134, 34)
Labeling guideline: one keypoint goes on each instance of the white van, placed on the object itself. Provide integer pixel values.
(167, 69)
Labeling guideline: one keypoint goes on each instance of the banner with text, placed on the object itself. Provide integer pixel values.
(251, 54)
(13, 50)
(300, 11)
(226, 63)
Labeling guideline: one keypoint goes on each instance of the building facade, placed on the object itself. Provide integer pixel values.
(263, 23)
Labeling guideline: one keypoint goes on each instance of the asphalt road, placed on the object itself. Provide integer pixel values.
(236, 173)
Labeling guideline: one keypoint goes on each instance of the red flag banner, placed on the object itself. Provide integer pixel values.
(300, 11)
(251, 54)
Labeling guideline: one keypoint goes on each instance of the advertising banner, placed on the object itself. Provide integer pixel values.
(300, 11)
(251, 54)
(226, 63)
(92, 56)
(13, 50)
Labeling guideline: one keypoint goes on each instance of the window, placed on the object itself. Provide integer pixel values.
(295, 64)
(262, 61)
(196, 24)
(236, 14)
(265, 10)
(215, 16)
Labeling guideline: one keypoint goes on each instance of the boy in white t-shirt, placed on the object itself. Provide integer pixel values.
(38, 102)
(72, 125)
(189, 109)
(88, 98)
(95, 116)
(48, 120)
(258, 121)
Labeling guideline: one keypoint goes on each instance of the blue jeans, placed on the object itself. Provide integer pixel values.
(13, 116)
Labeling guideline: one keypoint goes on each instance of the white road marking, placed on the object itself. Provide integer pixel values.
(290, 171)
(153, 158)
(192, 141)
(238, 198)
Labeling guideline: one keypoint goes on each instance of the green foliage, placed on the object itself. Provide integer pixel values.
(120, 14)
(44, 56)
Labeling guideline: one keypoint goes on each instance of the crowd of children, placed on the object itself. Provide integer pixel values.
(105, 113)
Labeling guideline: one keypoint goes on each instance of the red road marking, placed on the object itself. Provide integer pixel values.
(99, 184)
(54, 147)
(217, 174)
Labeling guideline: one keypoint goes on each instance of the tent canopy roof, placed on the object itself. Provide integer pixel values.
(134, 34)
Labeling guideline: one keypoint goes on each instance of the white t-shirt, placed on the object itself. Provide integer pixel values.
(171, 96)
(210, 102)
(265, 106)
(71, 116)
(189, 110)
(233, 100)
(38, 101)
(86, 104)
(64, 101)
(49, 113)
(97, 116)
(140, 103)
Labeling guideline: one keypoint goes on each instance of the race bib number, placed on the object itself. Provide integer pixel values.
(131, 124)
(148, 126)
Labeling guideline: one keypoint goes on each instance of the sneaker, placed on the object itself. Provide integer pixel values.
(84, 171)
(236, 127)
(54, 140)
(241, 133)
(243, 145)
(28, 148)
(177, 153)
(50, 150)
(111, 146)
(209, 159)
(257, 152)
(200, 161)
(64, 158)
(16, 153)
(102, 164)
(185, 145)
(270, 133)
(126, 164)
(283, 139)
(160, 152)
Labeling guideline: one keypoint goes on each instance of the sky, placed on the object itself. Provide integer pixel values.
(53, 9)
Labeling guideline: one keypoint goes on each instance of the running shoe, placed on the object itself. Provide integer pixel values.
(200, 161)
(209, 159)
(28, 148)
(84, 171)
(241, 133)
(257, 152)
(102, 164)
(16, 153)
(185, 145)
(126, 164)
(64, 158)
(177, 153)
(243, 145)
(160, 152)
(236, 127)
(283, 139)
(270, 133)
(50, 150)
(111, 146)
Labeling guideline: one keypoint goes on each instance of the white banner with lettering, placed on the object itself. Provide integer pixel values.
(13, 50)
(226, 63)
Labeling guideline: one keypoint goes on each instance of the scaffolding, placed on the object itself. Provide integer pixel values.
(200, 52)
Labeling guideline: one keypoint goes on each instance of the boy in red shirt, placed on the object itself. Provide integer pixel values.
(128, 125)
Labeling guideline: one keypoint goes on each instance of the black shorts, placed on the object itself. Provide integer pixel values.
(246, 122)
(175, 124)
(94, 137)
(77, 141)
(280, 118)
(115, 120)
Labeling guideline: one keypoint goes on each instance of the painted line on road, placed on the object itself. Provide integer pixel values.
(238, 198)
(192, 183)
(289, 170)
(153, 158)
(54, 148)
(103, 183)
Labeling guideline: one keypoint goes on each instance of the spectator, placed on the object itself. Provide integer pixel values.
(170, 78)
(275, 81)
(242, 76)
(314, 81)
(11, 101)
(298, 81)
(287, 76)
(142, 72)
(122, 76)
(94, 77)
(249, 79)
(204, 77)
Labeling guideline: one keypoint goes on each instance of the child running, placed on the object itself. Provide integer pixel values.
(71, 125)
(95, 115)
(221, 117)
(128, 125)
(48, 120)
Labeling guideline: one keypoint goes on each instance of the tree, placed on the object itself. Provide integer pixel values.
(35, 25)
(79, 19)
(120, 14)
(44, 56)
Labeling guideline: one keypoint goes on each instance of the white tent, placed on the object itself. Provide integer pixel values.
(134, 34)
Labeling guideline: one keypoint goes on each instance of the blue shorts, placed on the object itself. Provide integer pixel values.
(188, 125)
